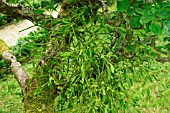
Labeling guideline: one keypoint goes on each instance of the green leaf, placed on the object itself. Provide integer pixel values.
(135, 22)
(108, 72)
(90, 52)
(71, 1)
(51, 79)
(122, 5)
(148, 93)
(51, 5)
(112, 68)
(166, 27)
(65, 21)
(166, 39)
(50, 86)
(54, 22)
(146, 17)
(156, 29)
(83, 73)
(118, 44)
(38, 11)
(36, 90)
(167, 46)
(139, 10)
(164, 13)
(131, 48)
(154, 10)
(122, 31)
(147, 25)
(130, 12)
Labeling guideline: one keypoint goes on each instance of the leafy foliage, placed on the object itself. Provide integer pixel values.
(91, 58)
(4, 69)
(6, 19)
(27, 47)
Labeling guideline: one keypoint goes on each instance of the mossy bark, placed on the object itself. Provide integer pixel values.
(3, 47)
(38, 97)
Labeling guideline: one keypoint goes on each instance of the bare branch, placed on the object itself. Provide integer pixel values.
(17, 69)
(104, 6)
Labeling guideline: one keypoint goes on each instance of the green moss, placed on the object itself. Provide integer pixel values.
(38, 98)
(3, 47)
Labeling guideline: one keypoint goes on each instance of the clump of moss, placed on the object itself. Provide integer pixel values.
(3, 47)
(3, 65)
(38, 97)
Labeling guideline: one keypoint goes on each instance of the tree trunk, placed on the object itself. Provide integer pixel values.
(37, 96)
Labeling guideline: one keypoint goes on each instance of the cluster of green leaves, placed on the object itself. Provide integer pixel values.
(28, 47)
(37, 4)
(26, 50)
(152, 18)
(99, 65)
(6, 19)
(4, 69)
(93, 59)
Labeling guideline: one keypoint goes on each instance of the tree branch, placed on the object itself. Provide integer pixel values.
(104, 6)
(162, 59)
(17, 69)
(18, 10)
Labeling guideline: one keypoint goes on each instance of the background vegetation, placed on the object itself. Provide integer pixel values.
(101, 61)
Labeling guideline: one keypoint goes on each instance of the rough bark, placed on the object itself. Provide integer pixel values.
(16, 68)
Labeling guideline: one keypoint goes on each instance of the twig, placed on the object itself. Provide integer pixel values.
(104, 6)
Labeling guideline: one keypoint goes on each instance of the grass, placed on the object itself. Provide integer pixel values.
(10, 96)
(152, 95)
(10, 93)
